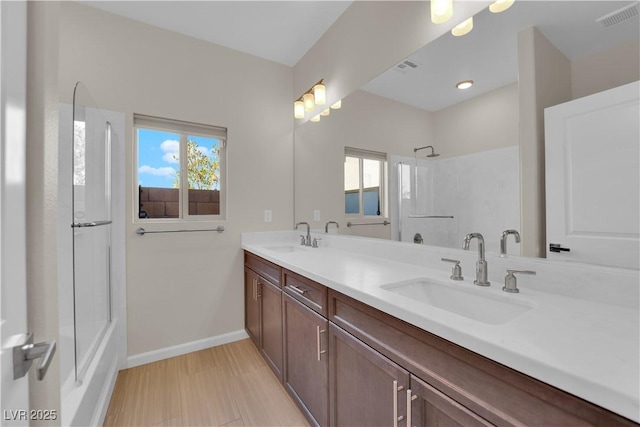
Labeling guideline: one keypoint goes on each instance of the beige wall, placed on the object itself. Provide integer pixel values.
(605, 70)
(135, 68)
(486, 122)
(544, 79)
(369, 38)
(42, 193)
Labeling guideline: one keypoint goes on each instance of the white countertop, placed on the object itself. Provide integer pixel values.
(582, 334)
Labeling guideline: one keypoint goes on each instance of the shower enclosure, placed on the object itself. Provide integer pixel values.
(89, 329)
(438, 200)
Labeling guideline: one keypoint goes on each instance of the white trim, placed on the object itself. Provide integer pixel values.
(180, 349)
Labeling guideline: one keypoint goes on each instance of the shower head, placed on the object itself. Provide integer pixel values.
(433, 153)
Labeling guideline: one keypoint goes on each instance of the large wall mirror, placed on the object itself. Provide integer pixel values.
(469, 177)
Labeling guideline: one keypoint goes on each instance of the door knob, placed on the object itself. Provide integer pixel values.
(26, 352)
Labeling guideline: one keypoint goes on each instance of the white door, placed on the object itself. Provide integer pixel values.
(13, 304)
(592, 153)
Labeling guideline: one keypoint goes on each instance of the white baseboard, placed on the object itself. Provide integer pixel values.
(180, 349)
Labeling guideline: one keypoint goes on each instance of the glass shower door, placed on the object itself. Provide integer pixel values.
(91, 227)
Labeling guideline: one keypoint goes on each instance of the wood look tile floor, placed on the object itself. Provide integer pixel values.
(228, 385)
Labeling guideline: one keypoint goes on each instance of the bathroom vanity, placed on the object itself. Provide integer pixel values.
(370, 332)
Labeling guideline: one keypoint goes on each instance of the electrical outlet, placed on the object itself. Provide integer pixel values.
(268, 215)
(316, 215)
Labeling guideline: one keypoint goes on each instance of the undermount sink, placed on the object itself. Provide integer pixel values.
(286, 248)
(470, 303)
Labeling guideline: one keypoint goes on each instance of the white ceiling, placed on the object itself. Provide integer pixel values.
(281, 31)
(488, 55)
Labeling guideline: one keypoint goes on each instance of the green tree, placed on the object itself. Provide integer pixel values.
(202, 170)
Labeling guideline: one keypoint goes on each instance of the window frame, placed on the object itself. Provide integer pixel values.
(184, 130)
(362, 155)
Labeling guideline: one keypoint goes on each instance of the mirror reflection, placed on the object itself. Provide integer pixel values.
(476, 183)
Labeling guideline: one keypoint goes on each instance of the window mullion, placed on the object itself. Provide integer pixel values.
(184, 177)
(361, 183)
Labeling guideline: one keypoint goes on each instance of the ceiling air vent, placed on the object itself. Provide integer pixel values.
(405, 66)
(619, 16)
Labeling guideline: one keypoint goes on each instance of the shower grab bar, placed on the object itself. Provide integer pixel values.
(91, 224)
(430, 216)
(141, 231)
(350, 224)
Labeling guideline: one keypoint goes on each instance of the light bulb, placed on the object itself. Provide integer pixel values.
(309, 103)
(298, 109)
(315, 119)
(441, 11)
(464, 28)
(326, 112)
(500, 6)
(466, 84)
(337, 105)
(320, 94)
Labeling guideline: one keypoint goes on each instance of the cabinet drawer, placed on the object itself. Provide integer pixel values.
(308, 292)
(496, 393)
(264, 268)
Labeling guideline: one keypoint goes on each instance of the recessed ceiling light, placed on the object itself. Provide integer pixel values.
(466, 84)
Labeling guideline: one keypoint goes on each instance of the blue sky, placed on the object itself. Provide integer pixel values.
(158, 156)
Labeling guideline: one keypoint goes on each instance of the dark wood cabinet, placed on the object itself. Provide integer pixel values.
(366, 388)
(271, 319)
(431, 408)
(306, 368)
(263, 309)
(252, 306)
(348, 364)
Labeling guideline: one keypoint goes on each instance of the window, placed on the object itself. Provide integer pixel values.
(180, 169)
(364, 182)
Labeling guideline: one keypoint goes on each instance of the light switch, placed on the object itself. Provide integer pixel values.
(267, 215)
(316, 215)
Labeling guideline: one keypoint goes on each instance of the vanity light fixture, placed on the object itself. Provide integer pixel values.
(463, 28)
(316, 95)
(315, 119)
(465, 84)
(298, 109)
(500, 5)
(441, 11)
(309, 102)
(320, 93)
(337, 105)
(326, 112)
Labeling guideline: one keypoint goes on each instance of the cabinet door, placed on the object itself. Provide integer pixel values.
(306, 372)
(429, 407)
(252, 306)
(270, 297)
(366, 388)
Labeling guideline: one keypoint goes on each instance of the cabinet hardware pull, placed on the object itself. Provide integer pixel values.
(396, 389)
(298, 290)
(318, 332)
(410, 399)
(255, 289)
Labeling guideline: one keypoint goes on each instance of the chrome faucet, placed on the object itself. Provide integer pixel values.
(306, 240)
(481, 264)
(326, 226)
(503, 241)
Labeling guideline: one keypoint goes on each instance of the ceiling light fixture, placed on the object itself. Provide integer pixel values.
(298, 109)
(441, 11)
(320, 93)
(309, 102)
(500, 6)
(465, 84)
(463, 28)
(337, 105)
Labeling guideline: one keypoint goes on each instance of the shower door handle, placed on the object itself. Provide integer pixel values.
(25, 352)
(91, 224)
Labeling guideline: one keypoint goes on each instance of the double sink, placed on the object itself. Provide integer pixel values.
(477, 304)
